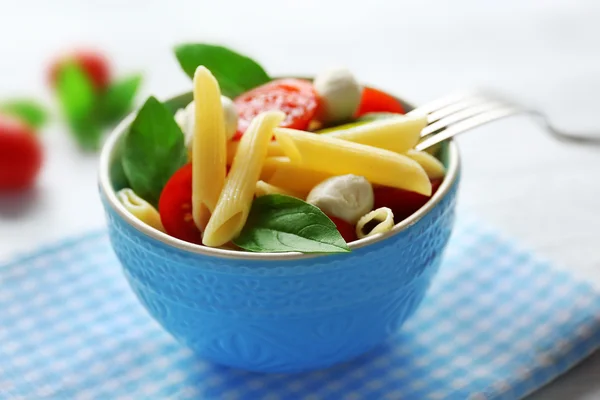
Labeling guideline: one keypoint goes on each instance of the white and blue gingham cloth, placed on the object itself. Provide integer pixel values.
(497, 324)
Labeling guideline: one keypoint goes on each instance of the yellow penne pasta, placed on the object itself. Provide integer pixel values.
(397, 134)
(432, 166)
(273, 150)
(377, 221)
(140, 208)
(339, 157)
(208, 147)
(280, 172)
(263, 188)
(235, 200)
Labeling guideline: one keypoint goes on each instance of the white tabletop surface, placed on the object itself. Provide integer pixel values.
(515, 177)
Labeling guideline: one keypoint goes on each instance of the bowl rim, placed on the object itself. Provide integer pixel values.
(106, 189)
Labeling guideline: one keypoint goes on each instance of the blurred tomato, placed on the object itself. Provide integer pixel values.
(373, 100)
(297, 98)
(20, 155)
(92, 62)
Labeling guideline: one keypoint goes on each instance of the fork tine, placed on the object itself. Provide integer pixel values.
(441, 103)
(466, 124)
(452, 108)
(463, 111)
(464, 114)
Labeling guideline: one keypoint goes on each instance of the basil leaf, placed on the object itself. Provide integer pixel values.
(31, 112)
(375, 116)
(180, 101)
(117, 101)
(88, 133)
(75, 93)
(154, 149)
(77, 99)
(235, 72)
(279, 223)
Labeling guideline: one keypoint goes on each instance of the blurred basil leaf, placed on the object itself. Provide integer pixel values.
(78, 101)
(117, 101)
(154, 149)
(30, 111)
(235, 72)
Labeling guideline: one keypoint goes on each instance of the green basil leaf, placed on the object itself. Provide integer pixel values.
(75, 93)
(375, 116)
(280, 223)
(154, 149)
(180, 101)
(117, 101)
(88, 134)
(78, 101)
(30, 111)
(235, 72)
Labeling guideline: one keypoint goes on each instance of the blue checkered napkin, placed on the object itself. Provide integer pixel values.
(496, 325)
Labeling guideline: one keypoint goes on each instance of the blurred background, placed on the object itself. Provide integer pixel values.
(542, 53)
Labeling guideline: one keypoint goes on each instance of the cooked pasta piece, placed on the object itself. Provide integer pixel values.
(340, 157)
(208, 147)
(397, 134)
(263, 188)
(273, 150)
(280, 172)
(235, 200)
(377, 221)
(140, 208)
(432, 166)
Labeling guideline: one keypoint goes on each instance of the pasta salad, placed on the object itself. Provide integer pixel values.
(259, 164)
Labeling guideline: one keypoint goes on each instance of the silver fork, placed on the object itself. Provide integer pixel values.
(449, 116)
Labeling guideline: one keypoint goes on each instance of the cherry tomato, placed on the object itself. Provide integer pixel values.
(297, 98)
(93, 63)
(175, 206)
(402, 202)
(346, 229)
(374, 100)
(20, 155)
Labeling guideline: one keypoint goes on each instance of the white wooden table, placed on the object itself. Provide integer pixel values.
(515, 176)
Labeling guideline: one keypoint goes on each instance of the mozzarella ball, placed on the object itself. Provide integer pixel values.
(347, 197)
(339, 94)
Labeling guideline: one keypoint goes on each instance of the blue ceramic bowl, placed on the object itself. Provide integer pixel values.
(286, 312)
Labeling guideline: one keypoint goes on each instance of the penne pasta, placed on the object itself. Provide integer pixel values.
(340, 157)
(208, 147)
(432, 166)
(398, 134)
(235, 200)
(280, 172)
(263, 188)
(377, 221)
(140, 208)
(273, 150)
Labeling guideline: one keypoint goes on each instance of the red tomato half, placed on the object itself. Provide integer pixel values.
(175, 206)
(297, 98)
(374, 100)
(402, 202)
(20, 155)
(93, 63)
(345, 228)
